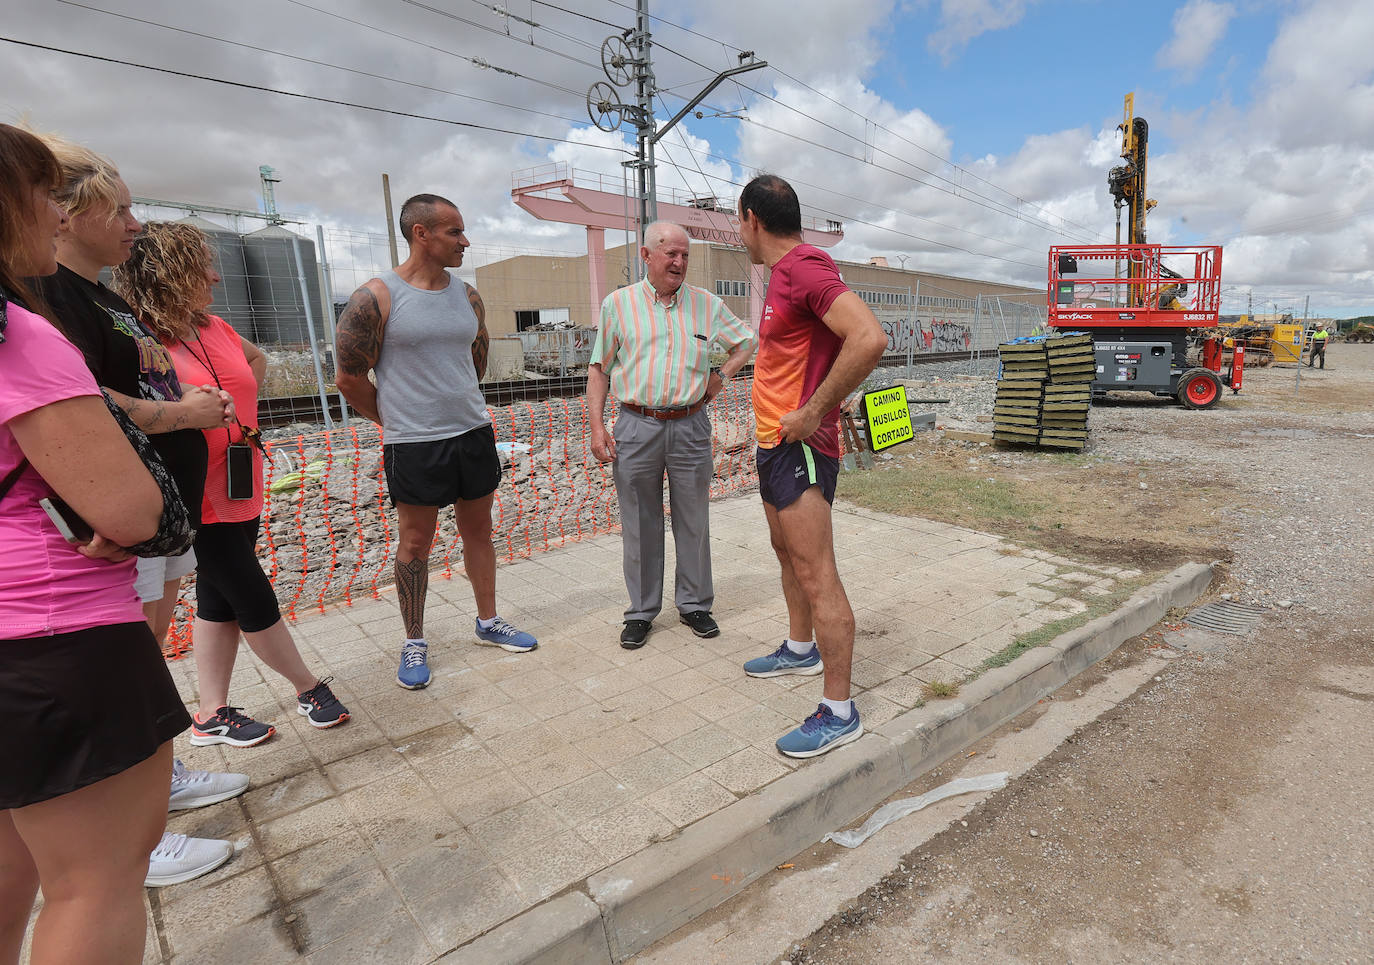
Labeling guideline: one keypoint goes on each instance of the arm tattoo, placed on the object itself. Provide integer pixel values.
(481, 345)
(412, 582)
(148, 415)
(359, 334)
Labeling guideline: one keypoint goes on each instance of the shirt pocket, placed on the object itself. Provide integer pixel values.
(698, 349)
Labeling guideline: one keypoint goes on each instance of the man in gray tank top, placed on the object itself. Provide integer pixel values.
(422, 332)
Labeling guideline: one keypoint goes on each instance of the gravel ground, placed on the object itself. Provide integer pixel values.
(1222, 813)
(1284, 457)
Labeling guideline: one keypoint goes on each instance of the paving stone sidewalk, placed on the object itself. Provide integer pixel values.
(434, 815)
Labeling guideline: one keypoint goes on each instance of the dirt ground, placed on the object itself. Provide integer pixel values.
(1223, 812)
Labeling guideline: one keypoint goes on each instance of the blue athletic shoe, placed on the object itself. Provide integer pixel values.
(506, 637)
(414, 672)
(820, 732)
(783, 660)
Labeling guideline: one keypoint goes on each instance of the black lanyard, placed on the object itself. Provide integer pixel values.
(249, 435)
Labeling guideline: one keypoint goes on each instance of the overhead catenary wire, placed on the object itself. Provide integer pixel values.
(920, 147)
(954, 185)
(326, 64)
(1306, 221)
(577, 13)
(492, 30)
(690, 153)
(838, 194)
(849, 218)
(476, 61)
(501, 11)
(901, 174)
(310, 97)
(954, 189)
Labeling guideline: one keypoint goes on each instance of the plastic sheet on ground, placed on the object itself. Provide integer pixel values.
(896, 810)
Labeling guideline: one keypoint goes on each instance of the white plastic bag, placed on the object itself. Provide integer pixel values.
(896, 810)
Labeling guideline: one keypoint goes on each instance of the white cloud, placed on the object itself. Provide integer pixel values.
(963, 20)
(820, 40)
(1285, 181)
(1199, 26)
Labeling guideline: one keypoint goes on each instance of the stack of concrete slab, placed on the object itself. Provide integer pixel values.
(1045, 390)
(1068, 393)
(1016, 410)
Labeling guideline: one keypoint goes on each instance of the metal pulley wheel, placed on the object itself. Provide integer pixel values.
(617, 61)
(604, 107)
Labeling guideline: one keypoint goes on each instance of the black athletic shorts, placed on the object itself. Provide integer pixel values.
(441, 472)
(230, 584)
(790, 469)
(76, 708)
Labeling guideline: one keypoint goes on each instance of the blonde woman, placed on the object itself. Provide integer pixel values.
(168, 279)
(137, 373)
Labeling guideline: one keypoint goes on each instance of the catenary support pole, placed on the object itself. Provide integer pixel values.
(310, 327)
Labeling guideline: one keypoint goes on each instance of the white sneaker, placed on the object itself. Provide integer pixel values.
(196, 789)
(178, 858)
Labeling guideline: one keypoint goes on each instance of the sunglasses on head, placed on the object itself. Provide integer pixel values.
(253, 436)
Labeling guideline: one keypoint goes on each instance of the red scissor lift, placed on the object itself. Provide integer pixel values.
(1140, 303)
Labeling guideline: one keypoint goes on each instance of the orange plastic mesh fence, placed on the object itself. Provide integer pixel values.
(327, 534)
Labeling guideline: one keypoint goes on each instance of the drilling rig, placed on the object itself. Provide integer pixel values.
(1143, 303)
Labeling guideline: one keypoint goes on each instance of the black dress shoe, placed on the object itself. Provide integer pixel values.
(701, 623)
(635, 633)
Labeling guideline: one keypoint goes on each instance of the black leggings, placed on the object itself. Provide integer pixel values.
(230, 584)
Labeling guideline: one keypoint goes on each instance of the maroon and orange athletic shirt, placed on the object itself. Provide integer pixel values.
(796, 349)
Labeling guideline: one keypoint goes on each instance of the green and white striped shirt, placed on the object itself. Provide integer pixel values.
(660, 355)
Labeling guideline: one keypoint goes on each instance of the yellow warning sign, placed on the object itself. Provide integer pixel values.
(889, 419)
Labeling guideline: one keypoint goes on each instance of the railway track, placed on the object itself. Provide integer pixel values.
(286, 410)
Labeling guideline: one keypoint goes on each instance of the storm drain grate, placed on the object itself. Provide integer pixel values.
(1226, 616)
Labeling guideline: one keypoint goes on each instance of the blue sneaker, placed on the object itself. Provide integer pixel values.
(783, 660)
(820, 732)
(506, 637)
(414, 672)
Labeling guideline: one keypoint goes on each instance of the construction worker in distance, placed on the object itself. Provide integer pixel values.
(1319, 339)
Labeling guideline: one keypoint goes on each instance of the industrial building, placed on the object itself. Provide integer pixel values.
(527, 290)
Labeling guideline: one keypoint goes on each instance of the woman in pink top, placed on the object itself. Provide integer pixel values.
(168, 280)
(87, 706)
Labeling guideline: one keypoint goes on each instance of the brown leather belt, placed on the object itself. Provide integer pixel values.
(665, 414)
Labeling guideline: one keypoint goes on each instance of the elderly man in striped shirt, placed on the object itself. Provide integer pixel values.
(652, 352)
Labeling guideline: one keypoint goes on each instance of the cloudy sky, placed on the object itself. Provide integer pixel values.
(964, 135)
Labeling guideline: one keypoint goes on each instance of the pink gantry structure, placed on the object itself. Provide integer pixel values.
(560, 193)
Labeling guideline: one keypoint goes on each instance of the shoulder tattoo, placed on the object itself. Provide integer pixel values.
(359, 333)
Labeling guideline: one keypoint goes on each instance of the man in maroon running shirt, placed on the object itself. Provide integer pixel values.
(817, 342)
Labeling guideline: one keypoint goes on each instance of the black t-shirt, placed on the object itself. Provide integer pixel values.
(124, 357)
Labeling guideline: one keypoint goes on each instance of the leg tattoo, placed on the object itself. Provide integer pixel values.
(412, 582)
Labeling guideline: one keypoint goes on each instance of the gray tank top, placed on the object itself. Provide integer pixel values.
(426, 383)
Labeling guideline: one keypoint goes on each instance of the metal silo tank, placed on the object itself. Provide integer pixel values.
(233, 299)
(278, 307)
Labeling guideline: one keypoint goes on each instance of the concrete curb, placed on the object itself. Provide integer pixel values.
(560, 931)
(641, 898)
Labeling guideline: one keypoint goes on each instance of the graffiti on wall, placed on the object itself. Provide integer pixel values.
(914, 336)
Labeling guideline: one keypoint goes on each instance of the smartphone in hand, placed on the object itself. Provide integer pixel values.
(73, 528)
